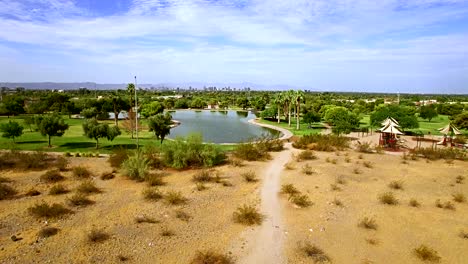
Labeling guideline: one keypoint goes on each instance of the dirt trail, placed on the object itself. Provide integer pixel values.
(267, 245)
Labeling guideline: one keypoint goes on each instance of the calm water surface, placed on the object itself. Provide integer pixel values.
(219, 126)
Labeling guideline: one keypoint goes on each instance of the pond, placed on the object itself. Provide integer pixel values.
(219, 126)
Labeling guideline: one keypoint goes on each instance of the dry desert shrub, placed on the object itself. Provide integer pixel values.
(459, 179)
(47, 232)
(337, 202)
(79, 200)
(388, 198)
(236, 162)
(117, 157)
(426, 253)
(52, 176)
(155, 179)
(81, 172)
(182, 215)
(463, 234)
(202, 176)
(368, 223)
(32, 192)
(249, 176)
(211, 257)
(314, 252)
(447, 205)
(43, 209)
(58, 189)
(61, 163)
(6, 192)
(107, 176)
(87, 187)
(367, 164)
(289, 189)
(301, 200)
(97, 236)
(306, 155)
(200, 186)
(165, 232)
(396, 185)
(340, 180)
(152, 194)
(289, 166)
(335, 187)
(175, 198)
(248, 215)
(307, 169)
(414, 203)
(459, 197)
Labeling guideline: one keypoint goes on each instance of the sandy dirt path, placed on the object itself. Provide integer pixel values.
(267, 245)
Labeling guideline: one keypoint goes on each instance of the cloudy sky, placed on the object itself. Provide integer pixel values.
(345, 45)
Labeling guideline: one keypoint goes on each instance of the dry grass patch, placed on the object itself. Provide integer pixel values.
(314, 252)
(202, 176)
(426, 253)
(152, 194)
(368, 223)
(447, 205)
(367, 164)
(97, 236)
(337, 202)
(4, 180)
(289, 166)
(463, 234)
(414, 203)
(307, 169)
(182, 215)
(236, 162)
(347, 160)
(357, 171)
(155, 179)
(165, 232)
(340, 180)
(52, 176)
(79, 199)
(396, 185)
(58, 189)
(459, 179)
(201, 186)
(107, 176)
(372, 241)
(43, 209)
(88, 187)
(145, 219)
(211, 257)
(459, 197)
(61, 163)
(47, 232)
(388, 198)
(32, 192)
(289, 189)
(248, 215)
(306, 155)
(335, 187)
(81, 172)
(249, 176)
(175, 198)
(6, 192)
(301, 200)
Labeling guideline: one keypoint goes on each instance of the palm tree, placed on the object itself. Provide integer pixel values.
(299, 96)
(289, 95)
(278, 101)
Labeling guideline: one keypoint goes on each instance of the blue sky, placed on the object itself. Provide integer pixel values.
(344, 45)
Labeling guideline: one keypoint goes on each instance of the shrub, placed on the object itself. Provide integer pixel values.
(155, 179)
(107, 176)
(289, 189)
(301, 200)
(335, 187)
(32, 192)
(368, 223)
(49, 211)
(368, 164)
(364, 147)
(136, 166)
(459, 179)
(182, 215)
(97, 236)
(202, 176)
(4, 180)
(426, 253)
(6, 192)
(463, 234)
(360, 156)
(396, 185)
(356, 171)
(250, 152)
(289, 166)
(175, 198)
(314, 252)
(321, 142)
(440, 153)
(340, 180)
(372, 241)
(117, 157)
(47, 232)
(414, 203)
(447, 205)
(249, 176)
(58, 189)
(52, 176)
(459, 197)
(307, 169)
(88, 187)
(337, 202)
(79, 200)
(347, 160)
(236, 162)
(152, 154)
(152, 194)
(211, 257)
(81, 172)
(267, 144)
(145, 219)
(248, 215)
(33, 160)
(61, 163)
(388, 198)
(306, 155)
(167, 232)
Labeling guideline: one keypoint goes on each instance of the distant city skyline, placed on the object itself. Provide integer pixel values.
(417, 46)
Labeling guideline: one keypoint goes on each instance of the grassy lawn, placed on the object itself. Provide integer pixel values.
(316, 127)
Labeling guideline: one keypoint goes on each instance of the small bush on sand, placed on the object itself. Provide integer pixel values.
(117, 157)
(88, 187)
(463, 234)
(175, 198)
(388, 198)
(200, 186)
(165, 232)
(202, 176)
(289, 166)
(107, 176)
(122, 258)
(368, 223)
(307, 169)
(367, 164)
(6, 192)
(414, 203)
(211, 257)
(337, 202)
(335, 187)
(306, 155)
(360, 156)
(301, 200)
(347, 160)
(97, 236)
(250, 152)
(426, 253)
(459, 179)
(396, 185)
(459, 197)
(364, 147)
(47, 232)
(356, 171)
(155, 179)
(236, 162)
(321, 142)
(79, 200)
(43, 209)
(340, 180)
(249, 176)
(61, 163)
(447, 205)
(314, 252)
(372, 241)
(289, 189)
(136, 166)
(58, 189)
(152, 194)
(182, 215)
(52, 176)
(145, 219)
(440, 153)
(248, 215)
(81, 172)
(32, 192)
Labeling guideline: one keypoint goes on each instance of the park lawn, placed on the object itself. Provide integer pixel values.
(316, 127)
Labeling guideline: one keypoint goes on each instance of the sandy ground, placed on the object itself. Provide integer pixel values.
(115, 209)
(401, 228)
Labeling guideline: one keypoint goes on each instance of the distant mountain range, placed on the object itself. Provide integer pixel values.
(110, 86)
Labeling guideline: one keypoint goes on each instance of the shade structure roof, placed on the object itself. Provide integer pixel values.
(449, 129)
(391, 129)
(390, 120)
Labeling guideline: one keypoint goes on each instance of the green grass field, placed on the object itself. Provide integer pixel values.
(304, 130)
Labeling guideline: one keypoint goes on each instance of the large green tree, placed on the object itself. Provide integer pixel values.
(95, 130)
(51, 126)
(461, 120)
(278, 101)
(151, 109)
(298, 98)
(405, 115)
(160, 124)
(343, 120)
(427, 112)
(11, 130)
